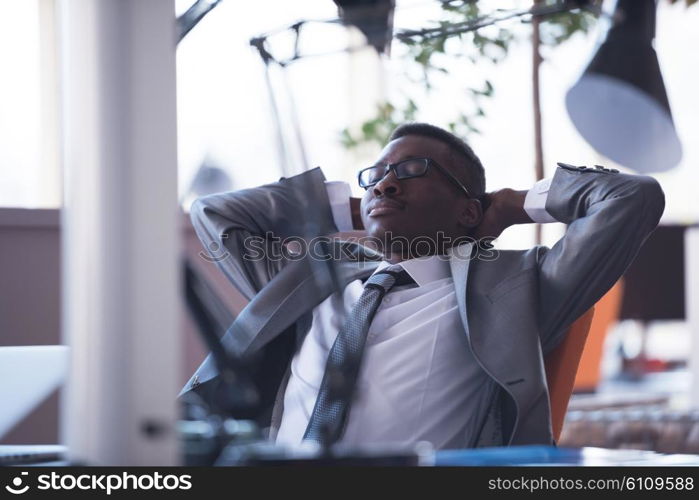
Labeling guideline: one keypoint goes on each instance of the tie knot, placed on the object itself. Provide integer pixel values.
(390, 276)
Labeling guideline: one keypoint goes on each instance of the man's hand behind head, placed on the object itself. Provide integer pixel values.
(502, 209)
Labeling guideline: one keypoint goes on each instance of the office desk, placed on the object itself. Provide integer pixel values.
(504, 456)
(554, 456)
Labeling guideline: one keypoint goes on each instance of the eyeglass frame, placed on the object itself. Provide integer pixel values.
(429, 161)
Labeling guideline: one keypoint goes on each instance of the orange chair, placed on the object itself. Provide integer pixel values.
(606, 314)
(561, 366)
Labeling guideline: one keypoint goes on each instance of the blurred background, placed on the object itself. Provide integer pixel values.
(264, 90)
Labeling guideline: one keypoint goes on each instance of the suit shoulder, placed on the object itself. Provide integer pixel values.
(506, 263)
(522, 257)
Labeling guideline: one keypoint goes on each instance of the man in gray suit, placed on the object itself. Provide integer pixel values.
(452, 341)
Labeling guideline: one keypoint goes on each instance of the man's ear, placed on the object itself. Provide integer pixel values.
(471, 213)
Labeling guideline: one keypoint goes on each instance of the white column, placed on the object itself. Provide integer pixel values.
(49, 180)
(121, 300)
(691, 267)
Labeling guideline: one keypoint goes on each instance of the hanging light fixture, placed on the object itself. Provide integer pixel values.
(374, 18)
(619, 105)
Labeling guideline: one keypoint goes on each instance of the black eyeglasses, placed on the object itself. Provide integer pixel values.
(406, 169)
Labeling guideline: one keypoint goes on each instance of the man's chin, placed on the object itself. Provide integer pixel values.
(387, 232)
(387, 237)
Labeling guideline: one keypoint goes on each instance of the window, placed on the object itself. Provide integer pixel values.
(29, 149)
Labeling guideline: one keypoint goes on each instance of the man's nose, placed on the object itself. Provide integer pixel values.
(389, 185)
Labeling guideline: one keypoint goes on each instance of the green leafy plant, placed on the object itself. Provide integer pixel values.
(432, 54)
(380, 126)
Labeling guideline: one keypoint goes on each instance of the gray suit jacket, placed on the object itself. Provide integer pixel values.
(514, 309)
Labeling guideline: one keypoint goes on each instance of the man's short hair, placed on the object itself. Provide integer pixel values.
(476, 173)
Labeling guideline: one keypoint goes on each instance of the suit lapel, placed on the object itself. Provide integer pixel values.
(310, 291)
(295, 290)
(460, 264)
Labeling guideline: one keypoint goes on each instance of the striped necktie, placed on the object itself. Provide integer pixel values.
(332, 405)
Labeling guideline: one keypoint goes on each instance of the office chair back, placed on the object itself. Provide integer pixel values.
(606, 315)
(561, 366)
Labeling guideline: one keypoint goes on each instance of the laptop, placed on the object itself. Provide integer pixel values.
(29, 374)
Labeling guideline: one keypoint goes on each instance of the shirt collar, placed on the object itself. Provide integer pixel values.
(425, 270)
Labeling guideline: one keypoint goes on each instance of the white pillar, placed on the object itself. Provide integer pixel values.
(121, 300)
(692, 306)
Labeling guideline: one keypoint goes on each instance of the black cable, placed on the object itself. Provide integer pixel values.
(196, 12)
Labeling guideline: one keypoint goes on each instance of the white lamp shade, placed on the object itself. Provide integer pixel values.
(623, 123)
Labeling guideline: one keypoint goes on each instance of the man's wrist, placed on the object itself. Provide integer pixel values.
(535, 202)
(338, 196)
(510, 206)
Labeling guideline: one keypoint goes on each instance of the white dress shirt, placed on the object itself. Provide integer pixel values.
(418, 380)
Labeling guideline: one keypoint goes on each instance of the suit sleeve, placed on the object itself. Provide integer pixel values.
(609, 216)
(242, 231)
